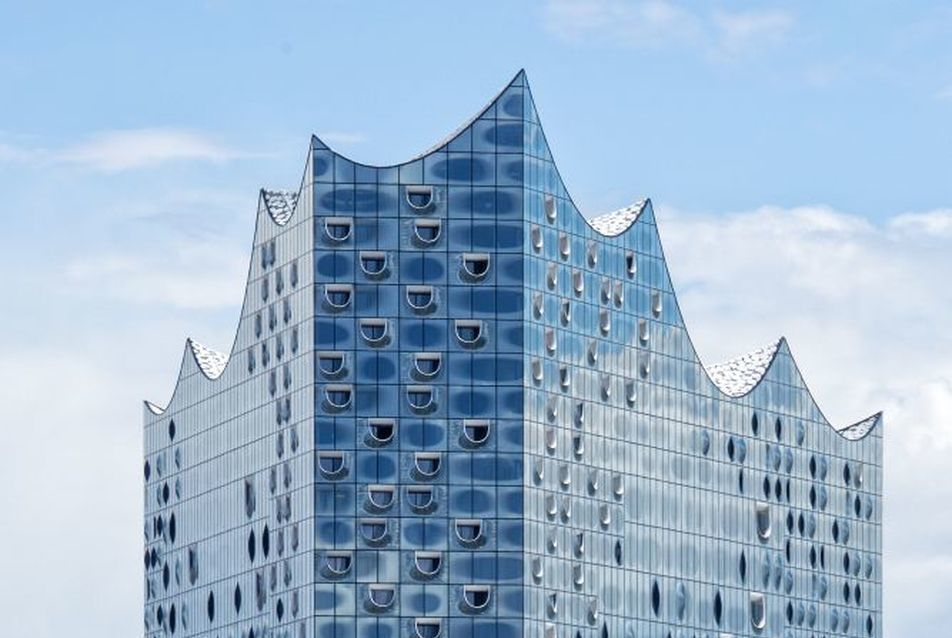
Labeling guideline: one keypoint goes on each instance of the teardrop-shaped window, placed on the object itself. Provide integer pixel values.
(536, 237)
(631, 264)
(578, 282)
(565, 245)
(550, 208)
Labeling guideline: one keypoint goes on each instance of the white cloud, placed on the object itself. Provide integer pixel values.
(661, 24)
(120, 150)
(866, 308)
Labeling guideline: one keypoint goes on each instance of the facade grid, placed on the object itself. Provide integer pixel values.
(456, 407)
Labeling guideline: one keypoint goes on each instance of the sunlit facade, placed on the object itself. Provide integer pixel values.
(455, 407)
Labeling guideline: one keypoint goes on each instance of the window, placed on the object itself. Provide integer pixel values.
(420, 499)
(565, 245)
(420, 397)
(578, 282)
(338, 229)
(592, 253)
(550, 209)
(381, 597)
(758, 611)
(655, 598)
(427, 364)
(380, 431)
(420, 298)
(380, 497)
(469, 331)
(475, 431)
(475, 265)
(331, 464)
(619, 293)
(605, 321)
(426, 231)
(644, 333)
(374, 331)
(427, 564)
(565, 312)
(338, 396)
(419, 197)
(428, 627)
(373, 530)
(536, 236)
(469, 531)
(210, 607)
(631, 264)
(718, 608)
(331, 364)
(680, 601)
(476, 597)
(337, 563)
(762, 513)
(373, 263)
(427, 464)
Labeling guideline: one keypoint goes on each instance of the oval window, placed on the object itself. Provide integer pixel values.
(380, 431)
(338, 397)
(331, 364)
(373, 262)
(374, 331)
(475, 265)
(338, 229)
(419, 197)
(426, 231)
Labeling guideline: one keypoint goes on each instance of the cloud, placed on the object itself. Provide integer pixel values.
(660, 24)
(866, 307)
(129, 149)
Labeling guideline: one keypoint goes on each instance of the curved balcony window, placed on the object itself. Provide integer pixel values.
(578, 575)
(565, 312)
(538, 305)
(618, 293)
(631, 392)
(428, 627)
(338, 296)
(420, 298)
(550, 208)
(618, 485)
(537, 370)
(380, 431)
(338, 397)
(337, 563)
(644, 334)
(427, 231)
(551, 506)
(427, 564)
(475, 432)
(549, 337)
(427, 464)
(605, 321)
(421, 499)
(469, 531)
(631, 264)
(762, 513)
(578, 445)
(580, 544)
(373, 263)
(565, 245)
(374, 530)
(420, 197)
(565, 377)
(338, 229)
(565, 476)
(420, 397)
(606, 290)
(551, 439)
(380, 497)
(604, 515)
(331, 364)
(537, 569)
(656, 304)
(552, 275)
(374, 331)
(758, 611)
(427, 364)
(331, 464)
(578, 282)
(381, 597)
(469, 332)
(592, 253)
(536, 237)
(475, 265)
(476, 597)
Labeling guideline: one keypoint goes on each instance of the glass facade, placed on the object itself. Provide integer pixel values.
(455, 407)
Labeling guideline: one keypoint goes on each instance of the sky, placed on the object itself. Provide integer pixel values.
(799, 157)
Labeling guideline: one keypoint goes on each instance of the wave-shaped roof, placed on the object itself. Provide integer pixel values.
(734, 378)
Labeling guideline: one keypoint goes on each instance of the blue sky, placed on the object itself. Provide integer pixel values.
(799, 156)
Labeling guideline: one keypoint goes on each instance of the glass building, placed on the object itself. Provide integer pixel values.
(456, 407)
